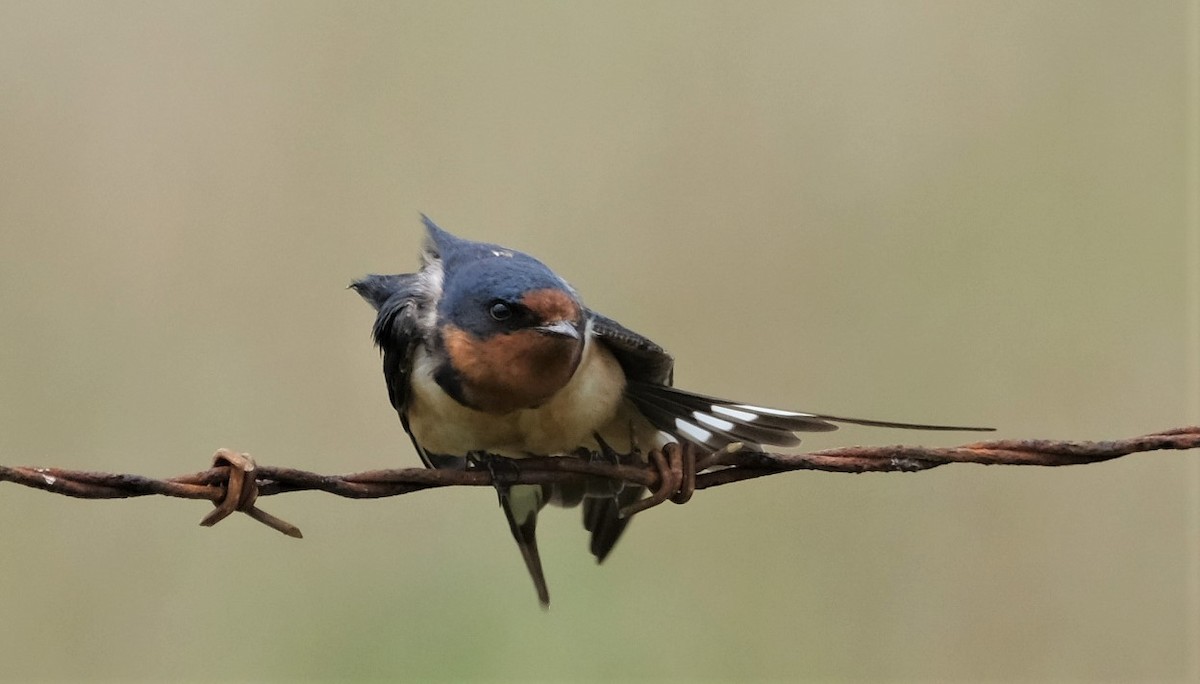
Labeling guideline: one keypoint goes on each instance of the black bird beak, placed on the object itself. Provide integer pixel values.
(559, 329)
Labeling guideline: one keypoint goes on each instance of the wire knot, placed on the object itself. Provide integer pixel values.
(241, 491)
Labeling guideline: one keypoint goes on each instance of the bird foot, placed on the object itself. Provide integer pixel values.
(602, 487)
(504, 471)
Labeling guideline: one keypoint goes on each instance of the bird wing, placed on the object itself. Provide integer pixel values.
(397, 299)
(713, 423)
(708, 421)
(640, 358)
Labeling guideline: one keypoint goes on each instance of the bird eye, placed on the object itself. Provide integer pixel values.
(500, 311)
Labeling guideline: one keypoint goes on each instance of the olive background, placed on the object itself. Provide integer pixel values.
(958, 212)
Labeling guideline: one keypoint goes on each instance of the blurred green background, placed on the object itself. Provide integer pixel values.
(963, 212)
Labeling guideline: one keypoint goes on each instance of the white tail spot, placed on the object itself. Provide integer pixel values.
(774, 412)
(693, 432)
(735, 414)
(714, 423)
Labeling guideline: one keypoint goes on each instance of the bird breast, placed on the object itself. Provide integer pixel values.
(586, 403)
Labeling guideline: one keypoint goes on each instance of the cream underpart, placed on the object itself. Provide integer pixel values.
(591, 401)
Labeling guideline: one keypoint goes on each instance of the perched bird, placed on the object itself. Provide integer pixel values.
(487, 352)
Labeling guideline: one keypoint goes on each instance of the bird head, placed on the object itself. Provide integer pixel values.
(510, 331)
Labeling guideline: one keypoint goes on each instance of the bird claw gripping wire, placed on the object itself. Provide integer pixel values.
(604, 486)
(241, 491)
(503, 471)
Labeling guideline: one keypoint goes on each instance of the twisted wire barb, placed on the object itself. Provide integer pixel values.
(235, 481)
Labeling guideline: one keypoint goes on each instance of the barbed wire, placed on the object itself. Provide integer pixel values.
(235, 481)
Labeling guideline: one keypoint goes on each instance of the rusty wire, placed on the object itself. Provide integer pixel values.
(235, 481)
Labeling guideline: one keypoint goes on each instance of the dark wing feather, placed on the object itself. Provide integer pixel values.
(601, 517)
(714, 423)
(396, 299)
(641, 359)
(665, 408)
(708, 421)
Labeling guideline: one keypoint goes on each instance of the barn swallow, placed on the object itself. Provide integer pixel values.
(487, 352)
